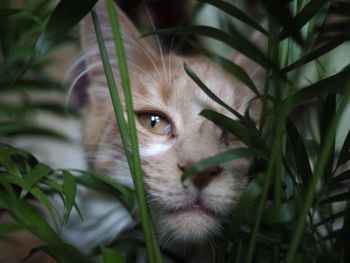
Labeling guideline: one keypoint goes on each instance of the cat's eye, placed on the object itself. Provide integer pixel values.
(155, 123)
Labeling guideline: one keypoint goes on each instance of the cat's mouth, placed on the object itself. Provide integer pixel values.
(195, 207)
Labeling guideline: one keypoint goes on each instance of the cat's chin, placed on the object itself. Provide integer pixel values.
(194, 225)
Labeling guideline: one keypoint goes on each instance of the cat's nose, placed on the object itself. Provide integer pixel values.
(202, 179)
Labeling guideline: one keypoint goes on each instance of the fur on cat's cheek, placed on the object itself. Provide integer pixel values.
(154, 149)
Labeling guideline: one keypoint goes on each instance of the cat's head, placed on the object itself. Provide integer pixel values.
(171, 133)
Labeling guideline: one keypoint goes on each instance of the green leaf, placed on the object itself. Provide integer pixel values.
(317, 53)
(337, 198)
(66, 15)
(280, 12)
(9, 12)
(240, 212)
(236, 13)
(30, 85)
(251, 139)
(341, 177)
(331, 85)
(19, 128)
(280, 214)
(111, 256)
(53, 108)
(300, 154)
(218, 159)
(305, 15)
(36, 174)
(344, 155)
(6, 229)
(69, 191)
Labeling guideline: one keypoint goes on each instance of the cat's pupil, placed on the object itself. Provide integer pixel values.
(154, 120)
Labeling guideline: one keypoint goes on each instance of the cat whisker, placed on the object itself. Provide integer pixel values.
(158, 44)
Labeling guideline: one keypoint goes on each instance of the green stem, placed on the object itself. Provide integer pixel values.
(150, 238)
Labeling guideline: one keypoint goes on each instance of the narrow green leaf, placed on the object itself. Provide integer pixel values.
(344, 176)
(236, 13)
(301, 157)
(39, 171)
(66, 15)
(305, 15)
(317, 53)
(9, 12)
(111, 256)
(69, 190)
(281, 13)
(344, 155)
(280, 214)
(44, 199)
(331, 218)
(331, 85)
(337, 198)
(218, 159)
(6, 229)
(20, 128)
(249, 195)
(244, 134)
(53, 108)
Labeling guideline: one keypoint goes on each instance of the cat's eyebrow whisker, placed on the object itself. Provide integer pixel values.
(158, 43)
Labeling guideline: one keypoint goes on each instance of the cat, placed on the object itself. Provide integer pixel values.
(171, 134)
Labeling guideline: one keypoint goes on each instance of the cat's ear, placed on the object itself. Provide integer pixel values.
(138, 52)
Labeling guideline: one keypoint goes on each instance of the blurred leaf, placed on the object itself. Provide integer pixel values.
(235, 12)
(6, 229)
(280, 12)
(66, 15)
(317, 53)
(111, 256)
(44, 199)
(35, 175)
(107, 185)
(20, 128)
(341, 177)
(344, 155)
(62, 252)
(340, 8)
(9, 12)
(331, 85)
(218, 159)
(229, 66)
(280, 214)
(53, 108)
(69, 190)
(327, 116)
(331, 218)
(30, 86)
(301, 157)
(305, 15)
(337, 198)
(250, 193)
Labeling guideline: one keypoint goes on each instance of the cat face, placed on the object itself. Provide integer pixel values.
(171, 133)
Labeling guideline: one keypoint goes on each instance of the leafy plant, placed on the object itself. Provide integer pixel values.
(296, 205)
